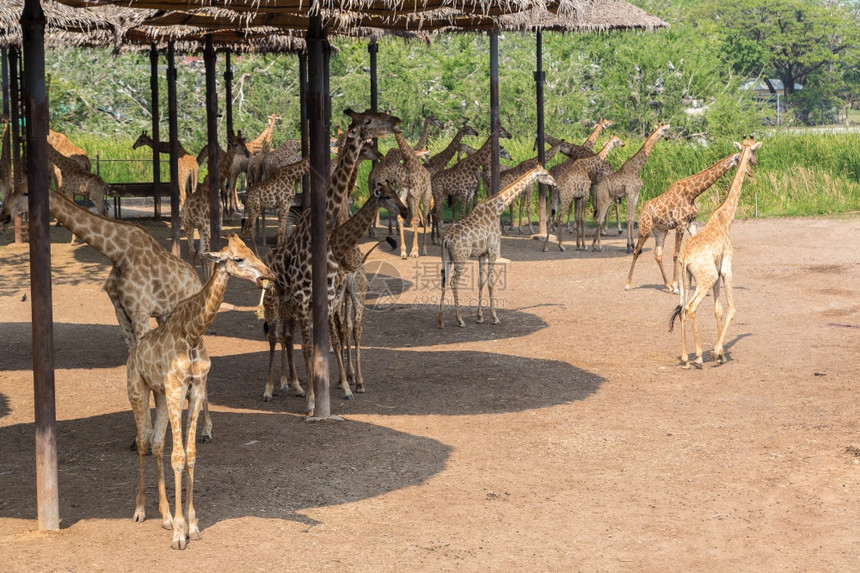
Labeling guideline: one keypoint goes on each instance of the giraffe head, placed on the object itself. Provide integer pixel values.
(662, 130)
(604, 123)
(467, 129)
(504, 134)
(544, 177)
(422, 154)
(387, 196)
(241, 262)
(434, 121)
(750, 143)
(237, 142)
(142, 139)
(503, 153)
(368, 152)
(370, 124)
(615, 141)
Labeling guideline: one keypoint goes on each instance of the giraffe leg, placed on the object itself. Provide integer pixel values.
(491, 283)
(618, 217)
(446, 277)
(308, 352)
(414, 252)
(455, 279)
(287, 354)
(719, 353)
(206, 434)
(138, 396)
(579, 222)
(703, 285)
(482, 260)
(176, 390)
(270, 379)
(159, 435)
(679, 236)
(197, 397)
(357, 316)
(631, 212)
(599, 215)
(403, 254)
(336, 332)
(640, 242)
(112, 289)
(424, 219)
(660, 239)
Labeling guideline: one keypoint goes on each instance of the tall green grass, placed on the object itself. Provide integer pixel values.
(797, 174)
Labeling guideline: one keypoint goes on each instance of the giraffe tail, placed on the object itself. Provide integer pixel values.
(392, 242)
(675, 314)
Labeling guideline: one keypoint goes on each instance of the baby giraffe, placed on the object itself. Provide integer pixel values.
(171, 363)
(479, 235)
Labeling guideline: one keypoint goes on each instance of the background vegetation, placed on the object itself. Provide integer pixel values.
(688, 76)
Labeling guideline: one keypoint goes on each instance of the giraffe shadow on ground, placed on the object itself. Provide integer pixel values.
(261, 465)
(4, 406)
(404, 382)
(75, 346)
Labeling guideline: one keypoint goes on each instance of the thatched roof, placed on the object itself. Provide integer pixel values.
(599, 16)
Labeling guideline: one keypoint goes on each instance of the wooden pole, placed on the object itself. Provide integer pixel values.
(209, 60)
(540, 80)
(156, 116)
(494, 111)
(33, 30)
(15, 126)
(303, 110)
(319, 153)
(228, 90)
(173, 131)
(373, 50)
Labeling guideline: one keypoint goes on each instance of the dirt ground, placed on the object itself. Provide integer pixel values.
(566, 438)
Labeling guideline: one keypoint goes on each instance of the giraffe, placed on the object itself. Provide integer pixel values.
(291, 261)
(254, 172)
(508, 176)
(479, 235)
(574, 177)
(676, 209)
(145, 280)
(390, 168)
(277, 192)
(256, 144)
(623, 183)
(415, 190)
(75, 181)
(460, 181)
(226, 180)
(288, 152)
(64, 145)
(707, 258)
(188, 166)
(440, 161)
(171, 362)
(203, 155)
(195, 215)
(348, 302)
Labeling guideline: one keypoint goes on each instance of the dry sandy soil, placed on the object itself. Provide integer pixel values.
(566, 438)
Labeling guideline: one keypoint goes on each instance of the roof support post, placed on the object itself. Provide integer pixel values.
(303, 110)
(373, 50)
(319, 153)
(33, 30)
(540, 80)
(228, 91)
(494, 111)
(173, 131)
(209, 60)
(156, 116)
(15, 127)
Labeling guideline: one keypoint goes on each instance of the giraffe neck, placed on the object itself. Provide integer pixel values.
(725, 213)
(694, 186)
(164, 146)
(551, 152)
(592, 139)
(337, 191)
(442, 158)
(265, 135)
(635, 163)
(110, 237)
(497, 204)
(406, 152)
(347, 235)
(425, 132)
(197, 312)
(479, 159)
(65, 164)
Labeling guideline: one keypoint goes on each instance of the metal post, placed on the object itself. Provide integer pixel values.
(319, 153)
(209, 60)
(303, 110)
(373, 50)
(228, 90)
(33, 30)
(173, 130)
(540, 80)
(494, 111)
(156, 116)
(15, 126)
